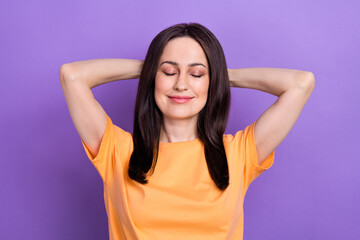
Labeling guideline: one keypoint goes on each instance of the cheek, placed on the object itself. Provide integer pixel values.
(161, 87)
(203, 89)
(161, 83)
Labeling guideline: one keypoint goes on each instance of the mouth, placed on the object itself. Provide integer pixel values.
(180, 99)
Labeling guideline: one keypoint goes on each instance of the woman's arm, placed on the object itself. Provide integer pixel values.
(77, 79)
(293, 88)
(99, 71)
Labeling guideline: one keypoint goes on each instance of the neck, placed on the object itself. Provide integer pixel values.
(178, 130)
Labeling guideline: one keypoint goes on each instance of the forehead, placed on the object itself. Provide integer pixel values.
(184, 50)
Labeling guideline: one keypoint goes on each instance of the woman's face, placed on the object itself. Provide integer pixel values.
(182, 79)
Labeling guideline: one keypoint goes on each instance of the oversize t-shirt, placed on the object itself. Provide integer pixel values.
(180, 200)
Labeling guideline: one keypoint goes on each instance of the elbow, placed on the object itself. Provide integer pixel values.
(66, 73)
(306, 81)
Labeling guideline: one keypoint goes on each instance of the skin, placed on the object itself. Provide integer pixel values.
(182, 72)
(292, 87)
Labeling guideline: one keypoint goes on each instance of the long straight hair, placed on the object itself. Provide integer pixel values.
(212, 119)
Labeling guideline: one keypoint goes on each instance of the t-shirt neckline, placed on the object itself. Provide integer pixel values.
(166, 144)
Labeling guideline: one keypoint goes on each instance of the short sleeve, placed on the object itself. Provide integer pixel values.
(104, 160)
(252, 169)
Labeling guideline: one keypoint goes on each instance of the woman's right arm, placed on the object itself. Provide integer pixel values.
(78, 78)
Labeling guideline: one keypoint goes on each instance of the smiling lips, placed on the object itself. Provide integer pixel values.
(180, 99)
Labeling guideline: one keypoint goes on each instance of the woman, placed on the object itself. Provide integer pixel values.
(178, 176)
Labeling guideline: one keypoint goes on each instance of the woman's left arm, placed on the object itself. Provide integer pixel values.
(292, 87)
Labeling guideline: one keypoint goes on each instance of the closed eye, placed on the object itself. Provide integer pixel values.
(197, 76)
(169, 74)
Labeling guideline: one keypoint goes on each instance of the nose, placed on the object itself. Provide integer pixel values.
(181, 83)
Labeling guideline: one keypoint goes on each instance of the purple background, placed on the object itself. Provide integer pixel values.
(49, 188)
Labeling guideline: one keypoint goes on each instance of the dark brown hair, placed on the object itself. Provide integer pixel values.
(212, 119)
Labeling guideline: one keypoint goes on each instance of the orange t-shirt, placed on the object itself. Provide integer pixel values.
(180, 200)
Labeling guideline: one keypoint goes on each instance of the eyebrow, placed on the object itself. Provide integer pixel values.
(177, 64)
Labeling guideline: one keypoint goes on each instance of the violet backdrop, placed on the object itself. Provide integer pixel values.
(50, 189)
